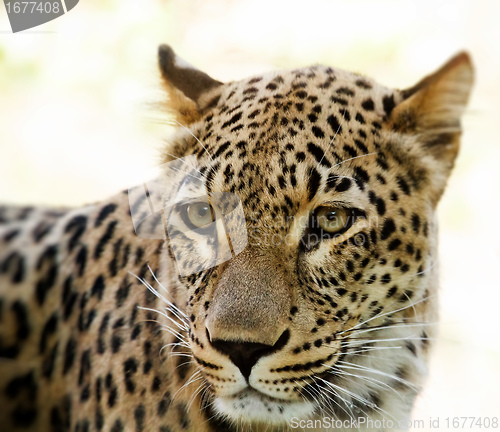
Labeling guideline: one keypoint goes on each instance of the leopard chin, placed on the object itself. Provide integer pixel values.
(252, 406)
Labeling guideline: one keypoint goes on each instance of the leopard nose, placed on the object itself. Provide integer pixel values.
(245, 354)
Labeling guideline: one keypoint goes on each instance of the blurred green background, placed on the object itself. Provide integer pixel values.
(77, 124)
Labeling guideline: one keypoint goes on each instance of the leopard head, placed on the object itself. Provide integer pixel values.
(304, 235)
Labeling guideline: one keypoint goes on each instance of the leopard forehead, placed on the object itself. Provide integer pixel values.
(277, 133)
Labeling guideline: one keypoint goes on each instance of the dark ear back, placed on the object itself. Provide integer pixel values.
(186, 86)
(432, 109)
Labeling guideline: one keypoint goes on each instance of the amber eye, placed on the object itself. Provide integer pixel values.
(332, 220)
(199, 214)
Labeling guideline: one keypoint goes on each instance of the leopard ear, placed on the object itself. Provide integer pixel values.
(188, 88)
(432, 110)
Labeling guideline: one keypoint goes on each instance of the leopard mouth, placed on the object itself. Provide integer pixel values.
(253, 406)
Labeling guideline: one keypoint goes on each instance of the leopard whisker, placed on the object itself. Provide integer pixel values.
(194, 136)
(389, 327)
(193, 397)
(331, 142)
(189, 165)
(363, 341)
(169, 303)
(194, 377)
(350, 159)
(350, 365)
(377, 348)
(332, 387)
(380, 315)
(182, 326)
(337, 370)
(368, 403)
(332, 400)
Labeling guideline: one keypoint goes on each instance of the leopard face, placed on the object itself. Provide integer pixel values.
(326, 308)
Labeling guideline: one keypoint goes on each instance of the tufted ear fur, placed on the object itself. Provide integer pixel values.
(431, 111)
(188, 88)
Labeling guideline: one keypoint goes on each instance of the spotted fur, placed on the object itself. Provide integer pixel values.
(294, 326)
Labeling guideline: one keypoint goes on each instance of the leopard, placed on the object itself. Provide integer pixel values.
(279, 274)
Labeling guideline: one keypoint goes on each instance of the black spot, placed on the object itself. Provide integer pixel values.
(113, 396)
(318, 154)
(331, 182)
(41, 230)
(313, 183)
(391, 291)
(11, 235)
(69, 297)
(155, 385)
(48, 329)
(69, 355)
(361, 146)
(389, 104)
(22, 384)
(24, 416)
(380, 204)
(368, 104)
(48, 280)
(116, 343)
(81, 260)
(22, 318)
(345, 114)
(183, 416)
(77, 226)
(415, 223)
(139, 414)
(363, 84)
(345, 90)
(340, 101)
(351, 151)
(361, 177)
(313, 118)
(117, 426)
(360, 118)
(344, 185)
(122, 292)
(403, 185)
(411, 347)
(104, 240)
(222, 148)
(164, 404)
(99, 419)
(233, 120)
(104, 213)
(98, 287)
(388, 228)
(101, 347)
(85, 393)
(300, 156)
(385, 279)
(394, 244)
(318, 132)
(334, 124)
(113, 264)
(85, 366)
(129, 369)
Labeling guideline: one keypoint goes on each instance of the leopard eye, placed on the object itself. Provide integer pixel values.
(332, 220)
(199, 214)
